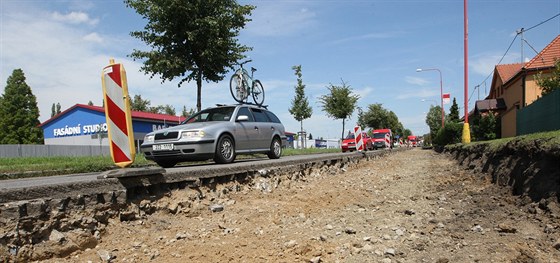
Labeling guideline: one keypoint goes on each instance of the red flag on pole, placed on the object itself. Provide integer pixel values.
(446, 98)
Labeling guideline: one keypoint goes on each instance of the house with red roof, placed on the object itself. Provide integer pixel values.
(514, 87)
(86, 125)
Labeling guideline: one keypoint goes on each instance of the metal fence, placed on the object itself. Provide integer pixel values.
(29, 150)
(542, 115)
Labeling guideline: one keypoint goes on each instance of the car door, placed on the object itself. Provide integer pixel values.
(245, 130)
(265, 129)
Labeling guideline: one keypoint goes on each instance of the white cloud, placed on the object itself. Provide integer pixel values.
(484, 64)
(416, 81)
(279, 19)
(74, 18)
(93, 37)
(420, 93)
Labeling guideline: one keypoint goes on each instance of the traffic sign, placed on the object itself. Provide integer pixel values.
(117, 112)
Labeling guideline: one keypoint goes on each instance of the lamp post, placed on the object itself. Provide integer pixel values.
(440, 92)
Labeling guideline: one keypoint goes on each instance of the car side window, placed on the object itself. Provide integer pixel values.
(245, 111)
(272, 117)
(260, 116)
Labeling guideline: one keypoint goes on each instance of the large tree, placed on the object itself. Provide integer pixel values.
(19, 114)
(433, 120)
(377, 117)
(190, 39)
(300, 106)
(340, 103)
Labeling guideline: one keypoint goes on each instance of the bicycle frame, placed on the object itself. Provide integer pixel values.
(245, 85)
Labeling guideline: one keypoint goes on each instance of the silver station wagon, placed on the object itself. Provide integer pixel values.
(218, 133)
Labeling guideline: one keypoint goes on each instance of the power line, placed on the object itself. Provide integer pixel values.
(509, 47)
(541, 23)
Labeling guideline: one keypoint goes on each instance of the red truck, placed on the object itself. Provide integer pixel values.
(382, 139)
(412, 141)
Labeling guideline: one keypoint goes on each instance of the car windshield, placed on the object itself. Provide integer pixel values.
(350, 136)
(379, 135)
(213, 114)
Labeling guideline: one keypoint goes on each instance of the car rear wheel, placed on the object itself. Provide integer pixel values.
(225, 150)
(275, 149)
(166, 164)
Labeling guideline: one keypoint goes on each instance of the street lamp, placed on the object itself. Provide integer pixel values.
(440, 91)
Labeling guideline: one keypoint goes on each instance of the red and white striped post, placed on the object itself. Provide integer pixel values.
(358, 138)
(387, 141)
(117, 112)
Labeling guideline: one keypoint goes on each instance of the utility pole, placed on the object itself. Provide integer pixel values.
(520, 32)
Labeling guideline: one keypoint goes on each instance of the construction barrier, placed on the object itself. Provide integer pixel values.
(117, 112)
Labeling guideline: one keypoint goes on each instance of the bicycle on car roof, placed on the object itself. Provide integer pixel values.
(241, 85)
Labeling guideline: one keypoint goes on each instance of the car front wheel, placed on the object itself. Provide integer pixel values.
(225, 150)
(275, 149)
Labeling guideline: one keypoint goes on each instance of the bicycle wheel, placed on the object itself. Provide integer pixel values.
(237, 89)
(258, 92)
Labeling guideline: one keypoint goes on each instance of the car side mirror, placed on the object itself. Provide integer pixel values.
(242, 118)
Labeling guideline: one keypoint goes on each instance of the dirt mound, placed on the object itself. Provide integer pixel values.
(529, 167)
(411, 206)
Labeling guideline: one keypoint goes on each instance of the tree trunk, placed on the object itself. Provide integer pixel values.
(301, 132)
(199, 91)
(342, 137)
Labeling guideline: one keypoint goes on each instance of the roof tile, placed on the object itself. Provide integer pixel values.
(547, 56)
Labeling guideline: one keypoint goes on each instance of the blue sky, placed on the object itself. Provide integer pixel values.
(374, 46)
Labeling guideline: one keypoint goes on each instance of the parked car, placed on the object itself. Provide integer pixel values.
(349, 143)
(218, 133)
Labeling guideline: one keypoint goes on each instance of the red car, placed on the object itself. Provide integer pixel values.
(349, 144)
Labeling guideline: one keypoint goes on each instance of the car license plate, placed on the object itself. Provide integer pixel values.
(163, 147)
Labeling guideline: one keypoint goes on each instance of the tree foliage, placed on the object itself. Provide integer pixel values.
(300, 106)
(377, 117)
(450, 134)
(19, 114)
(340, 103)
(190, 39)
(433, 120)
(139, 104)
(484, 127)
(551, 82)
(187, 113)
(55, 109)
(453, 112)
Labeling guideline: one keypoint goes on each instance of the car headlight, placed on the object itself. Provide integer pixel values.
(149, 138)
(192, 134)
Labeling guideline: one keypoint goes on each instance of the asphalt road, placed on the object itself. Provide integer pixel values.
(203, 170)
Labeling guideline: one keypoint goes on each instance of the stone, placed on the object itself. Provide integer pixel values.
(409, 212)
(104, 255)
(315, 260)
(557, 245)
(503, 228)
(216, 208)
(290, 244)
(350, 231)
(477, 228)
(390, 252)
(56, 236)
